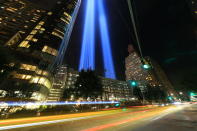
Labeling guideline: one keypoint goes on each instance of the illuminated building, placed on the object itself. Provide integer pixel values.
(161, 77)
(134, 70)
(115, 90)
(66, 78)
(39, 49)
(193, 6)
(16, 18)
(57, 89)
(154, 77)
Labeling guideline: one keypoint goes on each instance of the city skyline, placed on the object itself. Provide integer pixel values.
(122, 35)
(89, 65)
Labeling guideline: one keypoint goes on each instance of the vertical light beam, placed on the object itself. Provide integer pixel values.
(88, 43)
(106, 47)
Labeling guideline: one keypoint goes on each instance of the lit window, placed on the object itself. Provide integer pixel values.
(11, 9)
(22, 76)
(41, 23)
(35, 80)
(58, 31)
(64, 20)
(50, 50)
(34, 32)
(28, 77)
(56, 34)
(29, 37)
(38, 27)
(42, 29)
(66, 14)
(28, 67)
(32, 20)
(41, 72)
(50, 13)
(34, 40)
(11, 64)
(45, 73)
(24, 44)
(42, 81)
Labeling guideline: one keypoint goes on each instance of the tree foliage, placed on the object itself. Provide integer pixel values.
(137, 92)
(88, 84)
(5, 58)
(155, 94)
(151, 94)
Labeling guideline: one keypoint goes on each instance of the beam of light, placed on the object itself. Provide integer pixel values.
(64, 44)
(56, 103)
(106, 47)
(69, 32)
(88, 42)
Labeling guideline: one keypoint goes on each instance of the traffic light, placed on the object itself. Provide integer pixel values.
(133, 83)
(146, 66)
(192, 94)
(117, 105)
(170, 98)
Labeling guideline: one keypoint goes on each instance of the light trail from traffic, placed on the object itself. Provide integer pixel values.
(45, 120)
(57, 103)
(112, 119)
(151, 114)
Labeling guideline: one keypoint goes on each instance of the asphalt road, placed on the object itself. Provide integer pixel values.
(181, 120)
(171, 118)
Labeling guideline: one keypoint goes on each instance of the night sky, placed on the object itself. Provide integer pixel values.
(167, 33)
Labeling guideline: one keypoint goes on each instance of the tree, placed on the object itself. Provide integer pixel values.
(149, 94)
(137, 92)
(155, 94)
(88, 84)
(5, 59)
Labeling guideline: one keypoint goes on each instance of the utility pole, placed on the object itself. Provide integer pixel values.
(134, 26)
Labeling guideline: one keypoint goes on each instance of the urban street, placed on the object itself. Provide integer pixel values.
(88, 65)
(167, 118)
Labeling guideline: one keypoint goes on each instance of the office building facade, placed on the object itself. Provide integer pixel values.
(38, 50)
